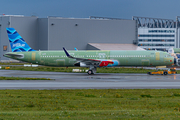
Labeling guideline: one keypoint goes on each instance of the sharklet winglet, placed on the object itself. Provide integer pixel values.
(67, 54)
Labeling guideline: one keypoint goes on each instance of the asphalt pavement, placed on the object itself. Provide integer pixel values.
(84, 81)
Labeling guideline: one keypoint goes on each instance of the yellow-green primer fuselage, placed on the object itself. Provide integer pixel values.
(124, 58)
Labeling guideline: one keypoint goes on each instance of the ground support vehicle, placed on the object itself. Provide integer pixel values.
(163, 72)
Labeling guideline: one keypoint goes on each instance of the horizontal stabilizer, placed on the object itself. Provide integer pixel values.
(14, 55)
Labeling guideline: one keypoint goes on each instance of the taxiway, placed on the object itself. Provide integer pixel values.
(83, 81)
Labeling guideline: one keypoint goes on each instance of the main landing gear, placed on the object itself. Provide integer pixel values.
(92, 70)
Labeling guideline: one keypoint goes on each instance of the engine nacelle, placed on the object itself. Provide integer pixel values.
(81, 64)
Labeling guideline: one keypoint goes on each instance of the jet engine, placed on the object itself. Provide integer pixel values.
(81, 64)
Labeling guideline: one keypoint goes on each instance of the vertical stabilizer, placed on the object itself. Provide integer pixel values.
(17, 42)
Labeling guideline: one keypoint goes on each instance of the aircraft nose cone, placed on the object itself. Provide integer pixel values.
(177, 61)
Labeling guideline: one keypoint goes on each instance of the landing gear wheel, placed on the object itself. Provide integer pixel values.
(149, 73)
(165, 73)
(90, 72)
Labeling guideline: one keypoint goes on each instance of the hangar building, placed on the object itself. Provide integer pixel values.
(53, 33)
(157, 33)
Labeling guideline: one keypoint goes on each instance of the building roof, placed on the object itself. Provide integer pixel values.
(109, 46)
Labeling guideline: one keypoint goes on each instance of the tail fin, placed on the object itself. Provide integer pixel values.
(17, 42)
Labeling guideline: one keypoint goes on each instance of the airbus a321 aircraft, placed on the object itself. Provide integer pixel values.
(90, 58)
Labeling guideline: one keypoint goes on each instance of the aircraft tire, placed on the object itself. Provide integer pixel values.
(165, 73)
(90, 72)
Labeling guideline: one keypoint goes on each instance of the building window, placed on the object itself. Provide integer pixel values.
(155, 35)
(5, 48)
(161, 31)
(156, 40)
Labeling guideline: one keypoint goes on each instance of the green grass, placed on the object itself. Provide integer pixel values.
(90, 104)
(69, 69)
(22, 78)
(10, 63)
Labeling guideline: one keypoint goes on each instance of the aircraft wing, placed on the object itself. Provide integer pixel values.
(84, 60)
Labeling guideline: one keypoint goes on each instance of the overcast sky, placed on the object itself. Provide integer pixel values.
(167, 9)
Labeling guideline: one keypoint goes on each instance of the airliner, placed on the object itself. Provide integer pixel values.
(91, 59)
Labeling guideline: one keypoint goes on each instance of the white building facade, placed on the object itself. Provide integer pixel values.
(157, 34)
(157, 38)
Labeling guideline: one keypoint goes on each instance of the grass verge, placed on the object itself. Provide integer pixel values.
(90, 104)
(69, 69)
(22, 78)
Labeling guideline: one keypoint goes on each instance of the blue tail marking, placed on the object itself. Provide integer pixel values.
(17, 42)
